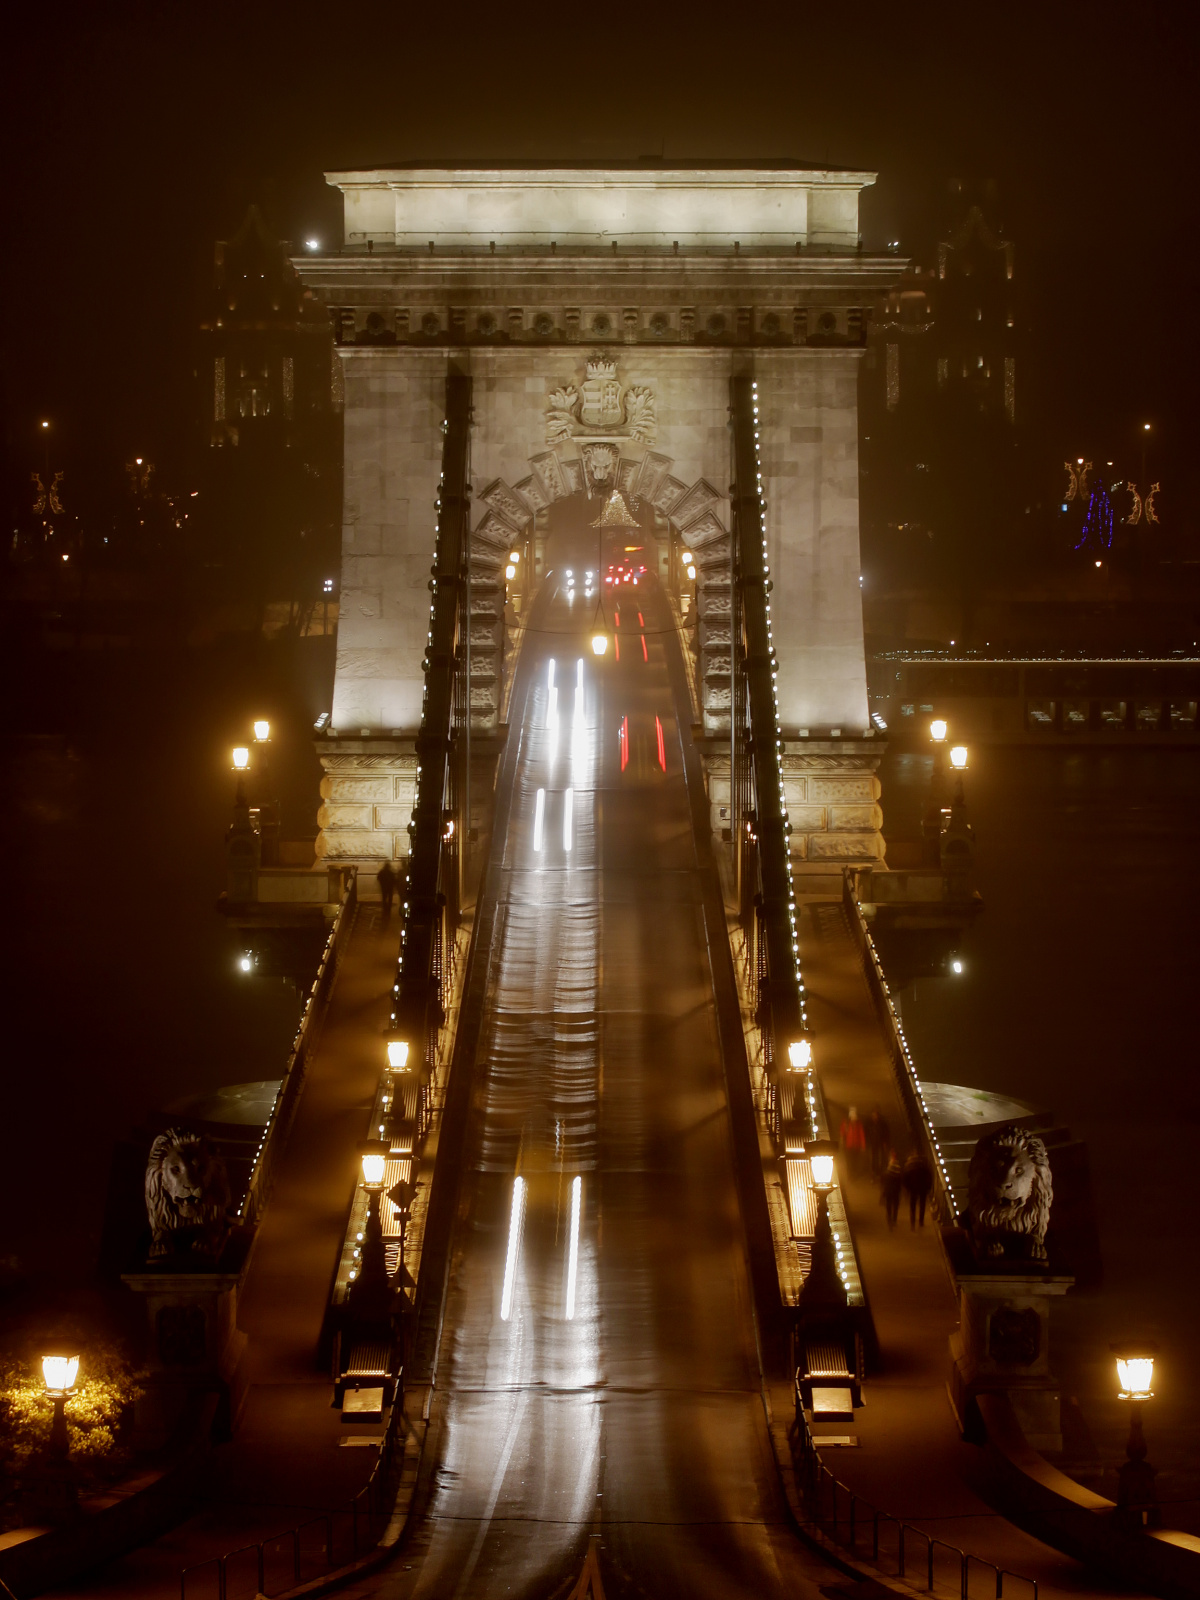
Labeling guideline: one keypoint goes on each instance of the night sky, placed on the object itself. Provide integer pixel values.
(137, 134)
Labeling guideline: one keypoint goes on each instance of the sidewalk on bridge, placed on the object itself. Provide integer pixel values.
(911, 1461)
(285, 1463)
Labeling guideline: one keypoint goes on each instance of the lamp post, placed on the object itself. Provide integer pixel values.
(59, 1374)
(370, 1291)
(1136, 1503)
(823, 1290)
(958, 764)
(931, 826)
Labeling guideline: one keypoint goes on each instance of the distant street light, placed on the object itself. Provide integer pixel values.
(510, 572)
(599, 643)
(958, 757)
(241, 758)
(372, 1168)
(262, 731)
(1136, 1502)
(938, 730)
(514, 556)
(312, 244)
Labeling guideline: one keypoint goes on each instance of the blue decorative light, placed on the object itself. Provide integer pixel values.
(1098, 523)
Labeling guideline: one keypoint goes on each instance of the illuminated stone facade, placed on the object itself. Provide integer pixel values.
(601, 315)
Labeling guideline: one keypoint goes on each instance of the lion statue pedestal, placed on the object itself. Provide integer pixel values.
(1005, 1285)
(1003, 1345)
(189, 1287)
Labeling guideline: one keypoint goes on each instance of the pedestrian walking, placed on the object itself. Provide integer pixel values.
(854, 1140)
(879, 1141)
(386, 878)
(890, 1185)
(918, 1181)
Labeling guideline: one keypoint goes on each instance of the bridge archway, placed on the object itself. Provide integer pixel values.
(691, 511)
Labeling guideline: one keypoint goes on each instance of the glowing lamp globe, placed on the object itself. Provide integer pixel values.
(691, 572)
(599, 643)
(262, 731)
(397, 1054)
(937, 730)
(686, 557)
(241, 758)
(514, 556)
(510, 572)
(60, 1372)
(800, 1055)
(372, 1168)
(1135, 1370)
(820, 1153)
(958, 757)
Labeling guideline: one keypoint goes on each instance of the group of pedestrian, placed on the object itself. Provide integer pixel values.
(914, 1179)
(868, 1144)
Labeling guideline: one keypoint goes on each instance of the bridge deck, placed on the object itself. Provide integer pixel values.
(605, 1396)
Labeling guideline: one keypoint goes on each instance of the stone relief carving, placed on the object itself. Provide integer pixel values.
(187, 1196)
(601, 407)
(601, 462)
(1009, 1193)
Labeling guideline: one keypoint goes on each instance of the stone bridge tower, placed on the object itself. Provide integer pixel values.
(601, 315)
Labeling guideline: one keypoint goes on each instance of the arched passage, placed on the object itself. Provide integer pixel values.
(593, 468)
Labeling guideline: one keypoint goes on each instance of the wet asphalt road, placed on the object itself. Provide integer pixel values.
(611, 1393)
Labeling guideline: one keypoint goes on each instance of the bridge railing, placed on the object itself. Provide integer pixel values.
(432, 892)
(279, 1123)
(908, 1084)
(325, 1543)
(850, 1523)
(759, 826)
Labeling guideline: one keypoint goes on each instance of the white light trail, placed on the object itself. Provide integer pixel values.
(550, 675)
(568, 808)
(573, 1257)
(539, 817)
(579, 673)
(516, 1221)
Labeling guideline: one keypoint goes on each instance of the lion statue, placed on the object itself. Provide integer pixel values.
(1010, 1191)
(187, 1196)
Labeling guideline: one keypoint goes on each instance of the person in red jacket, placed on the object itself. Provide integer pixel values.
(854, 1140)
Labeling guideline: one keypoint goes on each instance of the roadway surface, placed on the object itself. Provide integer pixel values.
(615, 1401)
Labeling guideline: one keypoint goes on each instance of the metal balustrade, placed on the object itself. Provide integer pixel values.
(322, 1544)
(897, 1548)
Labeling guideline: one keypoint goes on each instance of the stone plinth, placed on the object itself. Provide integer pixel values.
(832, 797)
(195, 1348)
(1003, 1346)
(367, 797)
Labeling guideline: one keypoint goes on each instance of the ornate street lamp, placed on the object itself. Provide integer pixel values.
(262, 730)
(1136, 1502)
(241, 758)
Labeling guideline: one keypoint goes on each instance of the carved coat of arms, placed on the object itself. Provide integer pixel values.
(600, 408)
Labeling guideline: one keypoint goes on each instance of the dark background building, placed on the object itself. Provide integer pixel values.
(268, 387)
